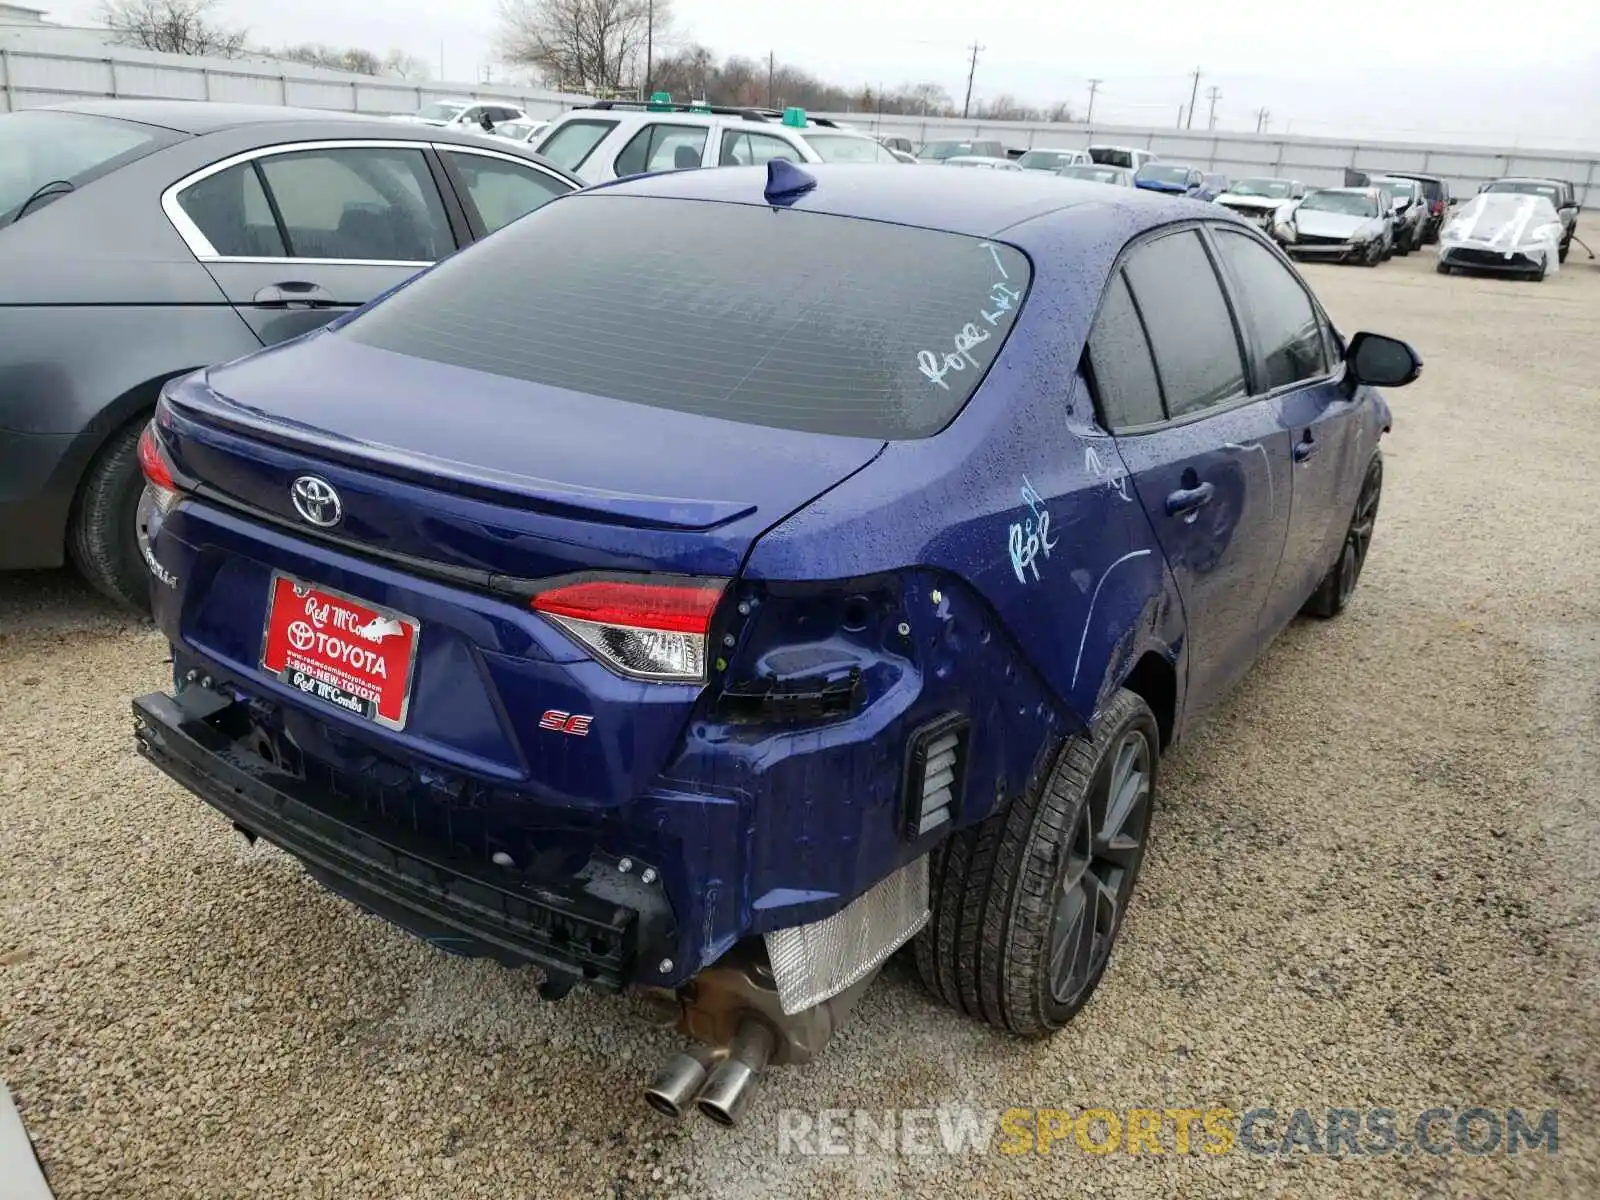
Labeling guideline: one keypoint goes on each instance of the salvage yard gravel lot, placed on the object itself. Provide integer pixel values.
(1374, 882)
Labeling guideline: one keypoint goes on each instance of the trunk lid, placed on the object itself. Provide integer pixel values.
(441, 520)
(538, 481)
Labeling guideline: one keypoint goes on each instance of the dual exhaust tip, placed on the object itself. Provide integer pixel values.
(720, 1090)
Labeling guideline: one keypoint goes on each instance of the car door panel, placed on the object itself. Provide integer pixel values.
(296, 235)
(1208, 465)
(1293, 361)
(1216, 492)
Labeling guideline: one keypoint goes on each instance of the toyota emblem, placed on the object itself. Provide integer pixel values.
(316, 501)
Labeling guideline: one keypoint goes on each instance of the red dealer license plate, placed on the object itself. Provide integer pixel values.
(341, 650)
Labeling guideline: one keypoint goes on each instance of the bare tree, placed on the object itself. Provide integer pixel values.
(406, 66)
(354, 60)
(173, 26)
(580, 44)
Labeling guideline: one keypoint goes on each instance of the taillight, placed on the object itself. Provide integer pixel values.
(153, 461)
(646, 629)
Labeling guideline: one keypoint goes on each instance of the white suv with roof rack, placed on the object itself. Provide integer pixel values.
(612, 139)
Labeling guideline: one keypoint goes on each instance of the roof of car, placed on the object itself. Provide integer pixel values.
(980, 204)
(200, 116)
(1551, 179)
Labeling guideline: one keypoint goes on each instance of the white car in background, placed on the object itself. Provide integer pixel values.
(1511, 233)
(1094, 173)
(467, 113)
(613, 139)
(1349, 224)
(1051, 161)
(1258, 199)
(982, 162)
(520, 131)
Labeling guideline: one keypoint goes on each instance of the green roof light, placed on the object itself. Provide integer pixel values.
(661, 102)
(795, 117)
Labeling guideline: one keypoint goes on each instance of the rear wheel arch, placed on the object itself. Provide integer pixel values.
(1154, 678)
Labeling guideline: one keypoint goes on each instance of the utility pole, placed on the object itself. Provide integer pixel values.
(649, 45)
(1194, 92)
(770, 64)
(1263, 115)
(1213, 94)
(1094, 86)
(1179, 125)
(966, 105)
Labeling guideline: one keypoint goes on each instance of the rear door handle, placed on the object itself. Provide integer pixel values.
(1187, 501)
(1304, 448)
(294, 294)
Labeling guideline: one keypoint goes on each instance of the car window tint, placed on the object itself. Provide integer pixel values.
(1281, 318)
(1119, 356)
(1191, 331)
(569, 145)
(656, 148)
(231, 209)
(798, 320)
(371, 204)
(502, 191)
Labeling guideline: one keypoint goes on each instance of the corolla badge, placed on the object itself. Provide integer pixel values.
(316, 501)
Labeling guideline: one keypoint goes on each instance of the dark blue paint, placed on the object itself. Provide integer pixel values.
(899, 560)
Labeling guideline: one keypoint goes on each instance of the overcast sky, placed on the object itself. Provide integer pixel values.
(1528, 76)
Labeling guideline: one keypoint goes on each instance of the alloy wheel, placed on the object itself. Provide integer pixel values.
(1103, 853)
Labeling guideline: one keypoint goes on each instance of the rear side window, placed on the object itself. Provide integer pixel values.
(569, 145)
(743, 149)
(231, 209)
(1119, 356)
(39, 148)
(798, 320)
(371, 204)
(660, 147)
(1279, 314)
(502, 191)
(1191, 331)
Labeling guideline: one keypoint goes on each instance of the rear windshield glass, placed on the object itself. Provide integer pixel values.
(782, 318)
(40, 148)
(1110, 156)
(1527, 187)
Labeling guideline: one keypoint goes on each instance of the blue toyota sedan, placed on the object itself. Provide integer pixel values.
(714, 581)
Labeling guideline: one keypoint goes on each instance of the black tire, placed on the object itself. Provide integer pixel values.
(1002, 896)
(102, 539)
(1561, 254)
(1333, 594)
(1442, 267)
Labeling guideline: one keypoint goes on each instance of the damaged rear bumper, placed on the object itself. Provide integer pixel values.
(598, 926)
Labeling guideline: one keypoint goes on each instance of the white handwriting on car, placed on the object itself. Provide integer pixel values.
(958, 360)
(1030, 538)
(1001, 300)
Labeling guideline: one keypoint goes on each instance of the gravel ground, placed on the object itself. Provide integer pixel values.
(1374, 882)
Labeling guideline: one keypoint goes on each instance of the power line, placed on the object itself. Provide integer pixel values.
(1193, 92)
(1213, 94)
(1094, 86)
(971, 71)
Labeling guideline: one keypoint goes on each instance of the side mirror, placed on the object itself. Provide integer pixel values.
(1381, 361)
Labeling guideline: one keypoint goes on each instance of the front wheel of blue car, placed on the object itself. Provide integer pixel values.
(1028, 903)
